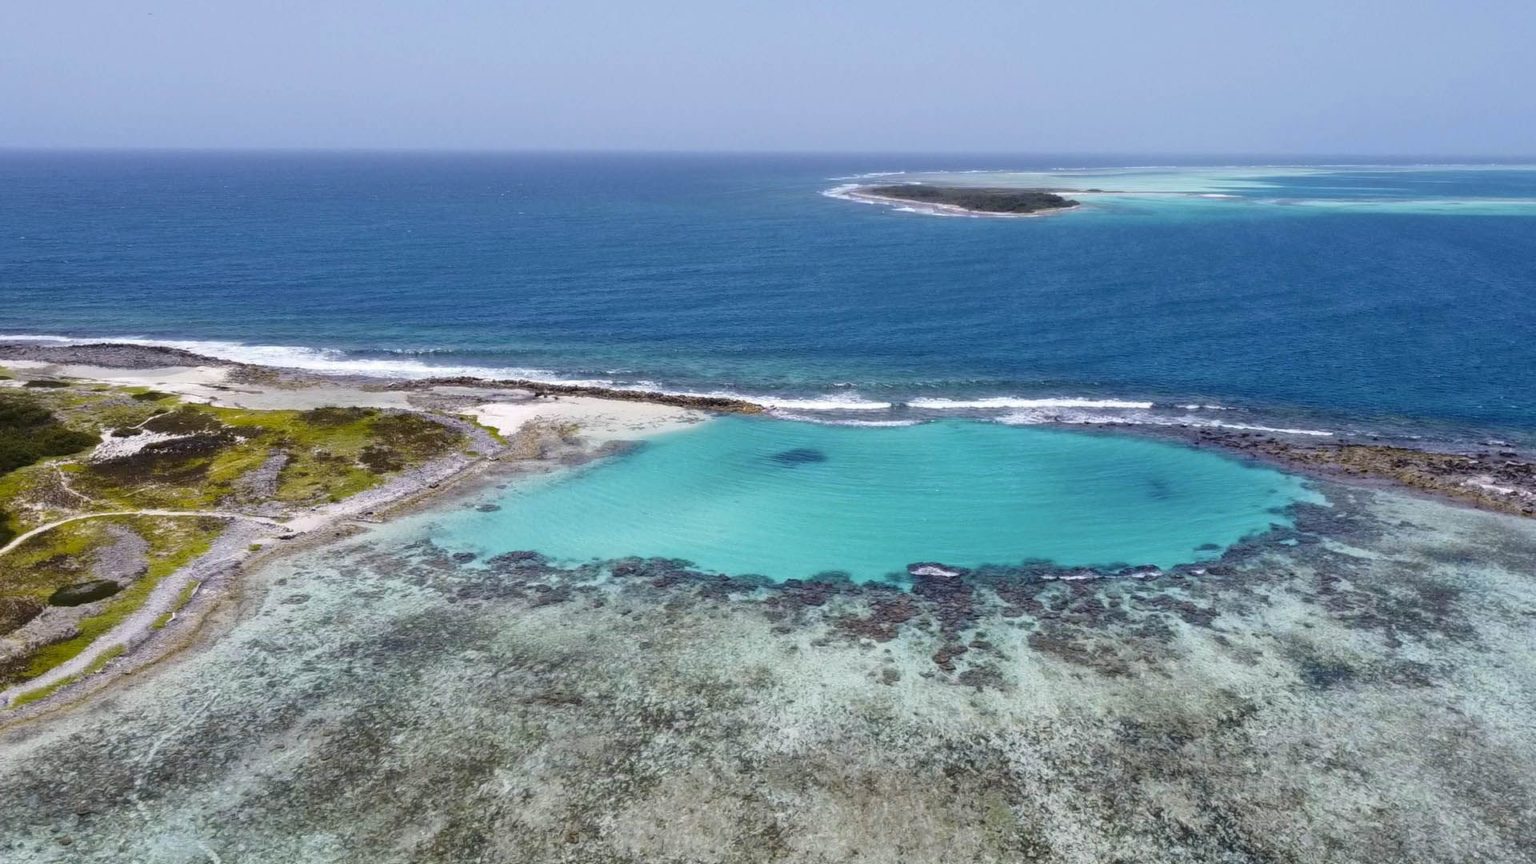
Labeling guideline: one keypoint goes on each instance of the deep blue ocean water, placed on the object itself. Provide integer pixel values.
(1338, 296)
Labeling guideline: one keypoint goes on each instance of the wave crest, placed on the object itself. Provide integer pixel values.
(1042, 417)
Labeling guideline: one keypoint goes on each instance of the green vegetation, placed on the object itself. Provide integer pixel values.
(29, 432)
(182, 600)
(104, 658)
(42, 693)
(335, 453)
(173, 543)
(977, 199)
(330, 454)
(170, 456)
(97, 665)
(49, 561)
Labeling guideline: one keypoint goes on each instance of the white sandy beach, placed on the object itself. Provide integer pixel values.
(598, 421)
(505, 410)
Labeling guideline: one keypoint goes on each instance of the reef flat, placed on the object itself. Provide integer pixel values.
(984, 200)
(1358, 688)
(1354, 684)
(1491, 476)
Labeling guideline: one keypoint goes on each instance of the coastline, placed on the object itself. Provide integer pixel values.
(1486, 474)
(1499, 481)
(530, 426)
(577, 709)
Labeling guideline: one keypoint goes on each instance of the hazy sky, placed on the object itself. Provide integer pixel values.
(1245, 76)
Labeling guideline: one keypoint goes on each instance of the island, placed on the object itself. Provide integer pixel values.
(207, 636)
(984, 200)
(138, 483)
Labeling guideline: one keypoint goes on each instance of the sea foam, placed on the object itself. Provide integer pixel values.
(1004, 402)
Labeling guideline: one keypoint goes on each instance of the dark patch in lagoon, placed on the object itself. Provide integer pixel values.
(799, 456)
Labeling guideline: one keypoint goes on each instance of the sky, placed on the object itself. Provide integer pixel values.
(1080, 76)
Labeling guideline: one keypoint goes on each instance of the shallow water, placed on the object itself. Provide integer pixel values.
(1364, 693)
(791, 500)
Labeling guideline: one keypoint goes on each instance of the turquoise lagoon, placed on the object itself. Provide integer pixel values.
(791, 500)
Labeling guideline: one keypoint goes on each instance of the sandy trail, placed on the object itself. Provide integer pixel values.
(218, 514)
(233, 547)
(505, 410)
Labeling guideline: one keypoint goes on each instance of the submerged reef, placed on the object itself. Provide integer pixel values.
(1358, 687)
(974, 199)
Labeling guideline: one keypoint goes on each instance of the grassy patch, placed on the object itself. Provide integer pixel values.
(333, 453)
(29, 432)
(173, 543)
(104, 658)
(53, 559)
(182, 600)
(206, 458)
(42, 693)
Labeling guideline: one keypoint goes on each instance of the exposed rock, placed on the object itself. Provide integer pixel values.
(109, 354)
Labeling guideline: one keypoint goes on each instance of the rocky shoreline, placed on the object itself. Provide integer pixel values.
(125, 356)
(114, 355)
(591, 711)
(1496, 478)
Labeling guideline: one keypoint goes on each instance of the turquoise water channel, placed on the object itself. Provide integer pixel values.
(790, 500)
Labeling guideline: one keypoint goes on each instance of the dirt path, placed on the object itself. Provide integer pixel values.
(234, 546)
(179, 514)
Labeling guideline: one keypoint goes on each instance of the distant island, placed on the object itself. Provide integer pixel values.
(990, 200)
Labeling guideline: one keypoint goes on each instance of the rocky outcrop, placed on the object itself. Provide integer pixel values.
(541, 389)
(1499, 480)
(114, 355)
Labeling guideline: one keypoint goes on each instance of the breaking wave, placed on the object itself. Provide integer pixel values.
(846, 407)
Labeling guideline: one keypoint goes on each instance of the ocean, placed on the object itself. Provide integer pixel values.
(1380, 298)
(890, 620)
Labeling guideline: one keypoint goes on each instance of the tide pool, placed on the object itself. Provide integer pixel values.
(790, 500)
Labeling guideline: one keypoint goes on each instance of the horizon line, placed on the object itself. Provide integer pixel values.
(1460, 158)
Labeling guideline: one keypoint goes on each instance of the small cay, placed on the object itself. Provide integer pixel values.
(971, 199)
